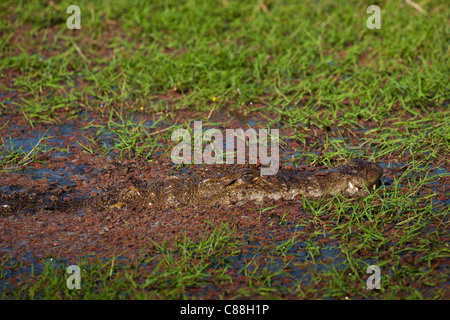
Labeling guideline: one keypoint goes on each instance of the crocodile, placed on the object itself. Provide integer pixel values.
(236, 185)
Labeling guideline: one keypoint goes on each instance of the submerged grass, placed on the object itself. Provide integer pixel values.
(13, 159)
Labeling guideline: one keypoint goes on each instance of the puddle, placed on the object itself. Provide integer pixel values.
(53, 137)
(61, 176)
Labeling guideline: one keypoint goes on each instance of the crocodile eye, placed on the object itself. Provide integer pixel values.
(247, 177)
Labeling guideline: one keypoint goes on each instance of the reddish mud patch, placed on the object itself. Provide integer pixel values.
(43, 216)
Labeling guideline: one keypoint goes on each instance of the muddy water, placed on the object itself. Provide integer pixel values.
(62, 171)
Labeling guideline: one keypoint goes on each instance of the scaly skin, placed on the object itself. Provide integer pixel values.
(237, 186)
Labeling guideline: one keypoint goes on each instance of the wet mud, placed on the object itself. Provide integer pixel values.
(57, 205)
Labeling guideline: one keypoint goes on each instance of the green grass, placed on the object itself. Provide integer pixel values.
(13, 158)
(312, 65)
(236, 53)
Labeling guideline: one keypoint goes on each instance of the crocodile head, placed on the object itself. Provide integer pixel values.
(356, 178)
(363, 175)
(239, 185)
